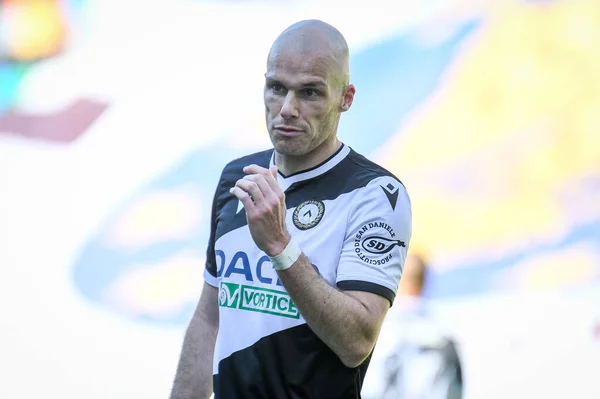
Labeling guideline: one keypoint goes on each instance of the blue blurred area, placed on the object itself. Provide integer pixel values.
(10, 75)
(392, 78)
(480, 276)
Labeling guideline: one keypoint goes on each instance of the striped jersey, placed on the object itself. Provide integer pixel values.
(352, 219)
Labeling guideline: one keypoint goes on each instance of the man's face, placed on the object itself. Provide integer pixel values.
(303, 101)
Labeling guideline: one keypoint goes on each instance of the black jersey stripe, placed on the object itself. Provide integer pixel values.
(352, 173)
(358, 285)
(276, 367)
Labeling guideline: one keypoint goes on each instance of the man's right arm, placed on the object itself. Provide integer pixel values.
(193, 379)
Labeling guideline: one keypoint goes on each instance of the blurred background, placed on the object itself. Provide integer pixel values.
(116, 118)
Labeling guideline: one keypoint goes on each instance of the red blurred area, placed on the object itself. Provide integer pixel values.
(64, 126)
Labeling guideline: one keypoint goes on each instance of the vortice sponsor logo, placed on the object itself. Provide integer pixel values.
(256, 299)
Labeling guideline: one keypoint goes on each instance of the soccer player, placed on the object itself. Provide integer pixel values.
(307, 245)
(414, 358)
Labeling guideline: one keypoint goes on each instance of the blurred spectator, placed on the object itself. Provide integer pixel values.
(414, 358)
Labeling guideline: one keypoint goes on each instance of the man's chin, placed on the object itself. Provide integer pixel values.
(290, 147)
(291, 151)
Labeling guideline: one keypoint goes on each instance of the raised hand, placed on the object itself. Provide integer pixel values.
(264, 202)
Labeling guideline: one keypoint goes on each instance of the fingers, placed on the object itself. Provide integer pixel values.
(268, 174)
(251, 188)
(261, 182)
(255, 169)
(267, 197)
(243, 196)
(259, 188)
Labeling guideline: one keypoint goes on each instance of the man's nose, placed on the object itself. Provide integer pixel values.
(289, 110)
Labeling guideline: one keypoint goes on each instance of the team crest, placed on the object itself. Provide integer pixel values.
(308, 214)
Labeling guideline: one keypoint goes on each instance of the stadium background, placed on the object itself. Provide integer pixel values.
(116, 118)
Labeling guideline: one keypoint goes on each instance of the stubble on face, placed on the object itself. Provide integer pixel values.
(307, 52)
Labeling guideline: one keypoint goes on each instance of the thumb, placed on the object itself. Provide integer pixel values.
(273, 169)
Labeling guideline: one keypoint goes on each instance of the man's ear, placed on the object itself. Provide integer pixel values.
(347, 97)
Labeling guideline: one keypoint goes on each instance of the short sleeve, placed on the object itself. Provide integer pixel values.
(210, 269)
(378, 233)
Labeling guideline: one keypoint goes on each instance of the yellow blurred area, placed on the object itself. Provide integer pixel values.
(556, 269)
(520, 112)
(251, 134)
(158, 288)
(33, 29)
(157, 216)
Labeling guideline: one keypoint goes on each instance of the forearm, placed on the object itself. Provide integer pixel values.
(194, 372)
(193, 379)
(348, 322)
(338, 319)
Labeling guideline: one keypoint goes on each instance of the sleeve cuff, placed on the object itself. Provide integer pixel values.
(357, 285)
(210, 279)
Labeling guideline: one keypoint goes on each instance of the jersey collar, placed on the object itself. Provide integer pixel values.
(286, 181)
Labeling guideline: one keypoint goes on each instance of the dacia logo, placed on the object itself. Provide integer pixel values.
(252, 270)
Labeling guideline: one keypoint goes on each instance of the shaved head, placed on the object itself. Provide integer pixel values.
(306, 90)
(316, 39)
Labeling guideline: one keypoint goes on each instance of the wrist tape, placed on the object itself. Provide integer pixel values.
(288, 257)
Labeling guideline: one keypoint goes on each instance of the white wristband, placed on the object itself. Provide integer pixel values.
(288, 257)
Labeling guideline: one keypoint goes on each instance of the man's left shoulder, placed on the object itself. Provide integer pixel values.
(368, 172)
(375, 182)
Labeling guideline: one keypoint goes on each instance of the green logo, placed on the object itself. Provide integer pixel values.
(229, 295)
(256, 299)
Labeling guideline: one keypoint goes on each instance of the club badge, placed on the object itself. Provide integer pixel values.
(308, 214)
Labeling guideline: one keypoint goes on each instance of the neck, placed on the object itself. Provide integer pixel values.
(290, 164)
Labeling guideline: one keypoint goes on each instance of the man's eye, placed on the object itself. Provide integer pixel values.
(276, 87)
(310, 92)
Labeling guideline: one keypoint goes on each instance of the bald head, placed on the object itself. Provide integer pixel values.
(316, 40)
(306, 90)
